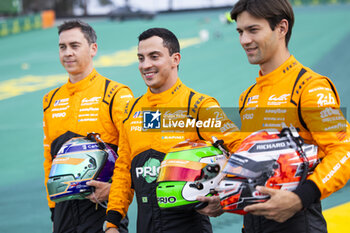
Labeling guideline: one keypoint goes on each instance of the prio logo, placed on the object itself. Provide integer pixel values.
(151, 119)
(248, 116)
(58, 115)
(166, 200)
(149, 171)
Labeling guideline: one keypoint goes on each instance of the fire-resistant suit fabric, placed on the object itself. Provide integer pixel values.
(295, 95)
(142, 150)
(94, 104)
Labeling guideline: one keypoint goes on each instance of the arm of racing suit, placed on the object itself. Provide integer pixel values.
(121, 98)
(115, 110)
(330, 131)
(229, 132)
(121, 193)
(47, 161)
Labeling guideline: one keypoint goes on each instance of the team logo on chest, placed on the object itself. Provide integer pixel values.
(90, 101)
(253, 99)
(90, 111)
(278, 100)
(61, 102)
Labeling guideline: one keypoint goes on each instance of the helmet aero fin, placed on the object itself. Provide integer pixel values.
(271, 158)
(78, 161)
(189, 169)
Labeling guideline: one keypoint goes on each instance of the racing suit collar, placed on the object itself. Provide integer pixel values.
(82, 84)
(165, 96)
(278, 74)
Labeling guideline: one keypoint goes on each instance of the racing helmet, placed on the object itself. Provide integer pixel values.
(189, 169)
(80, 160)
(278, 160)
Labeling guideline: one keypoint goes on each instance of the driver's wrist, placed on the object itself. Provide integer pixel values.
(107, 226)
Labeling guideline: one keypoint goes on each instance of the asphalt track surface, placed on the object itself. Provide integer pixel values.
(30, 67)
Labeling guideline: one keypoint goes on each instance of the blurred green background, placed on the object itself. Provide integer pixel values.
(218, 67)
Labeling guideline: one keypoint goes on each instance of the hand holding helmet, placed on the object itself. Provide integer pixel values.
(190, 169)
(280, 206)
(101, 191)
(277, 160)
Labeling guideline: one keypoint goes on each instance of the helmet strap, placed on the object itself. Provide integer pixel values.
(220, 145)
(296, 142)
(104, 204)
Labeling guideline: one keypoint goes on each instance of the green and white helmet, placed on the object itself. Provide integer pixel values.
(190, 169)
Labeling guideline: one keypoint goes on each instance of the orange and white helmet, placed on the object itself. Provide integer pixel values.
(271, 158)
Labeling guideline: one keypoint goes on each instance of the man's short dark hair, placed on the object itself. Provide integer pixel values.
(271, 10)
(170, 41)
(86, 29)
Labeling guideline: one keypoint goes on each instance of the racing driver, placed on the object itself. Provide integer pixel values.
(288, 92)
(143, 145)
(87, 103)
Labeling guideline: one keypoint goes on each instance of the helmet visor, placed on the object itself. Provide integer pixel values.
(244, 167)
(180, 170)
(238, 170)
(65, 165)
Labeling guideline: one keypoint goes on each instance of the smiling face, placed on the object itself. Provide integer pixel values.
(263, 46)
(256, 37)
(76, 54)
(157, 67)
